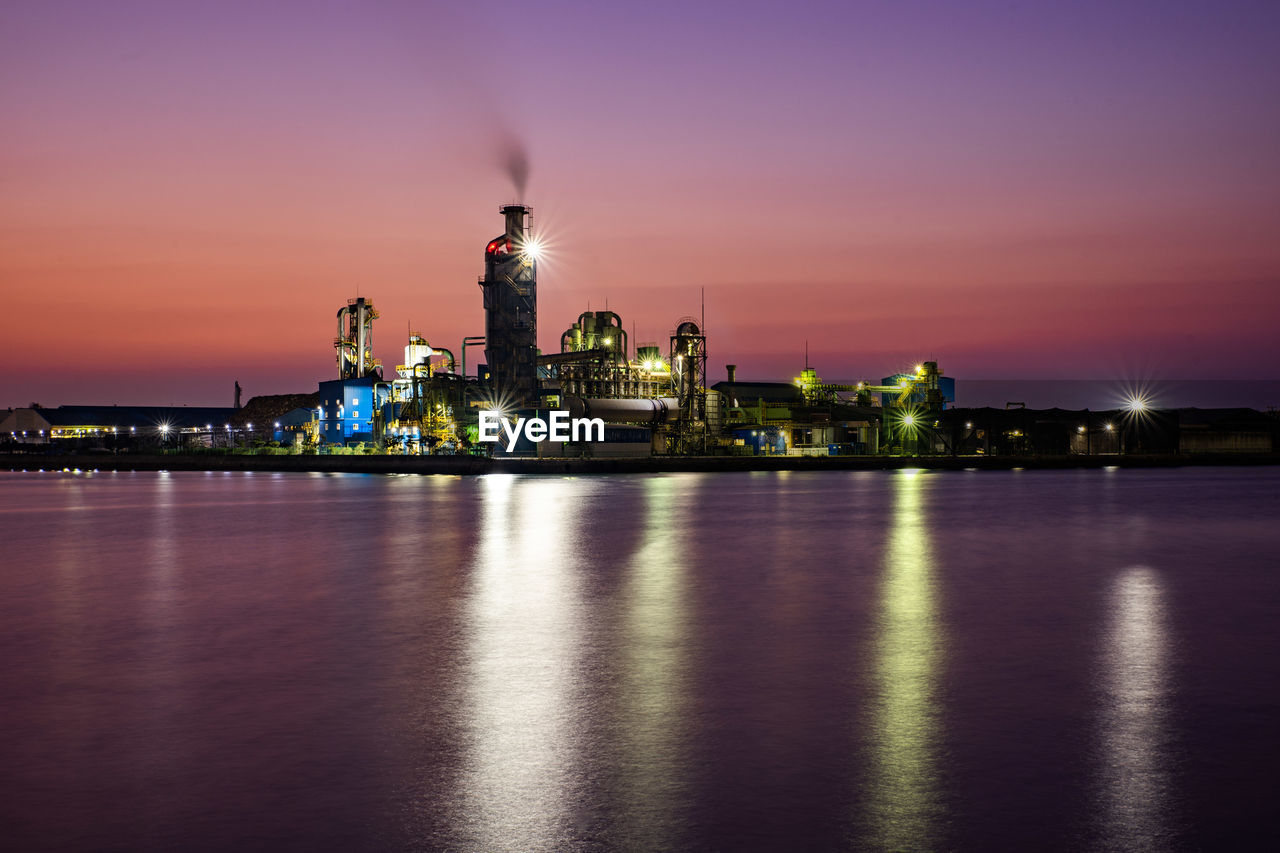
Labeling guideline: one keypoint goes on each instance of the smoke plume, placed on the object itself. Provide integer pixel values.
(513, 157)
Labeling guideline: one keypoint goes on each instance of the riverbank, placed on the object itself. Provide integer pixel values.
(460, 465)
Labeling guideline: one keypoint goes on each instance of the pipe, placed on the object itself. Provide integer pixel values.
(341, 345)
(645, 411)
(360, 342)
(469, 341)
(452, 363)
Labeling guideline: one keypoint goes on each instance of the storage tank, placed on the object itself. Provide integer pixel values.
(657, 410)
(416, 352)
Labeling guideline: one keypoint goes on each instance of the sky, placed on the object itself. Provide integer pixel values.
(190, 191)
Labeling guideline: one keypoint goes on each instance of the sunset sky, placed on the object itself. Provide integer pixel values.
(189, 191)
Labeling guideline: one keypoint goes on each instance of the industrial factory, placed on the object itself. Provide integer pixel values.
(635, 398)
(648, 398)
(651, 398)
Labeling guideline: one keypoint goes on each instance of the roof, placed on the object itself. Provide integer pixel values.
(134, 416)
(269, 408)
(1235, 419)
(752, 391)
(367, 379)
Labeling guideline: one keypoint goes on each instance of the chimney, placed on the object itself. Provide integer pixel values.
(733, 372)
(515, 214)
(237, 393)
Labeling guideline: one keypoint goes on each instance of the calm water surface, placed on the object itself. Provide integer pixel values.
(883, 660)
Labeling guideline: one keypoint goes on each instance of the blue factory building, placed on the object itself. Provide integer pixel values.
(763, 440)
(347, 409)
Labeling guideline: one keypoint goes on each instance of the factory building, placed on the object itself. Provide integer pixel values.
(597, 374)
(656, 399)
(650, 397)
(815, 417)
(349, 410)
(115, 427)
(1018, 431)
(1228, 431)
(917, 396)
(286, 419)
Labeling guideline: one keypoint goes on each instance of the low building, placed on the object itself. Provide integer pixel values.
(112, 426)
(350, 409)
(278, 417)
(1063, 432)
(1227, 431)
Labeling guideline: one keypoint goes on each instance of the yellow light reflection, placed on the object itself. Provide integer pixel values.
(522, 694)
(1135, 779)
(903, 798)
(654, 690)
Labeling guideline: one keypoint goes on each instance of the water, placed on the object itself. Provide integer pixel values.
(871, 660)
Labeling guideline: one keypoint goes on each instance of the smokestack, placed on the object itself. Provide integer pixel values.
(510, 289)
(237, 393)
(515, 214)
(733, 372)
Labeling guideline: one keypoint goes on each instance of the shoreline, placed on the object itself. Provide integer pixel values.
(475, 465)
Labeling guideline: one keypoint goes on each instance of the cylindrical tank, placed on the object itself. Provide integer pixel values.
(417, 352)
(644, 411)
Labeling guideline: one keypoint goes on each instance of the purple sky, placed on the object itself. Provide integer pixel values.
(190, 191)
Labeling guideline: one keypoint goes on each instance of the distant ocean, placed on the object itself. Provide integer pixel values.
(1111, 393)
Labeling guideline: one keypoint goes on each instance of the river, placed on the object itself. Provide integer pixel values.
(882, 660)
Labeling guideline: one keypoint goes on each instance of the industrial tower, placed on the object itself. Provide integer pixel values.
(510, 286)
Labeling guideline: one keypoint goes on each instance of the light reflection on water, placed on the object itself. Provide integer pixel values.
(523, 658)
(898, 660)
(1135, 778)
(903, 803)
(650, 757)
